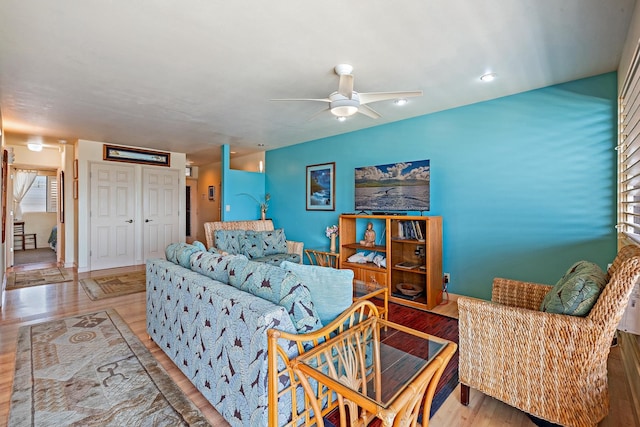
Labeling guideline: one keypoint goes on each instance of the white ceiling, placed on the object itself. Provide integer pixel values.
(190, 75)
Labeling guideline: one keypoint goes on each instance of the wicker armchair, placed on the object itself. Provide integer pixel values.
(552, 366)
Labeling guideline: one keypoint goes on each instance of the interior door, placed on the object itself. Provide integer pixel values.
(112, 215)
(161, 210)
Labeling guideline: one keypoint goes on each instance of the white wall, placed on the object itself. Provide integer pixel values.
(633, 36)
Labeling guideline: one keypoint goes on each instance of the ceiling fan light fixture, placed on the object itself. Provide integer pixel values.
(401, 101)
(344, 110)
(34, 146)
(488, 77)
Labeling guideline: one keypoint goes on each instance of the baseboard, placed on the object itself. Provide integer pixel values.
(630, 350)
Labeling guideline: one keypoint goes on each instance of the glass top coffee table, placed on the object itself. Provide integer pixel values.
(377, 369)
(367, 291)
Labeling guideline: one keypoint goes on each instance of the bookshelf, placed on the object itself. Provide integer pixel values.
(412, 247)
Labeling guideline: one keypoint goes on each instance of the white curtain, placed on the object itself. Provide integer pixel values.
(21, 184)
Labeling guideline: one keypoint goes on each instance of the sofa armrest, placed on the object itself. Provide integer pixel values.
(295, 248)
(515, 293)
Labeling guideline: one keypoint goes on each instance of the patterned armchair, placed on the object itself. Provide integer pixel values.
(553, 366)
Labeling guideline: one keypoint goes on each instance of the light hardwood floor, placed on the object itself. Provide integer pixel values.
(55, 301)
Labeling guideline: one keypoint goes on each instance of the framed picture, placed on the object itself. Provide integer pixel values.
(61, 197)
(5, 182)
(136, 155)
(75, 169)
(212, 192)
(321, 184)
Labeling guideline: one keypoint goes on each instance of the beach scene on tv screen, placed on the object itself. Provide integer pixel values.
(393, 187)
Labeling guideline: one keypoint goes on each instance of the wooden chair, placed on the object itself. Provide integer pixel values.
(22, 240)
(552, 366)
(285, 384)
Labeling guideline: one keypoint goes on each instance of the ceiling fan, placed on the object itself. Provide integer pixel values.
(346, 102)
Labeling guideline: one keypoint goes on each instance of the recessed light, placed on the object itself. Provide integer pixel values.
(341, 118)
(489, 77)
(400, 101)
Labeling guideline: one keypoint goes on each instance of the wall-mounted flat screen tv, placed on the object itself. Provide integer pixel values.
(393, 187)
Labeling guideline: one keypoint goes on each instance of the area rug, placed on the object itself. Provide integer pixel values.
(114, 286)
(91, 370)
(434, 324)
(43, 276)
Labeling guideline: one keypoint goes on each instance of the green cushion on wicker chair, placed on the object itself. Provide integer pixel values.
(577, 291)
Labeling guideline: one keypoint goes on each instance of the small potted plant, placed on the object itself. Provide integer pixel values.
(264, 206)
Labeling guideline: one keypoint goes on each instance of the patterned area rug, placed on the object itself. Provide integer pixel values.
(91, 370)
(44, 276)
(113, 286)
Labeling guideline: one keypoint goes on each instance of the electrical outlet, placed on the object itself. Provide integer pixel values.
(447, 277)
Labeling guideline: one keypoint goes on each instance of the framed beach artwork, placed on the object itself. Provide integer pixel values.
(135, 155)
(321, 181)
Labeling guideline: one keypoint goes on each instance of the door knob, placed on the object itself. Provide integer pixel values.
(130, 221)
(148, 220)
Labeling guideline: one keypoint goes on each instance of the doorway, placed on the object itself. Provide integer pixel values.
(32, 227)
(188, 211)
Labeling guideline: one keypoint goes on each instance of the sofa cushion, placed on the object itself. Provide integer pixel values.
(258, 244)
(251, 244)
(577, 291)
(274, 242)
(277, 259)
(331, 289)
(183, 254)
(170, 252)
(278, 286)
(229, 240)
(213, 265)
(199, 245)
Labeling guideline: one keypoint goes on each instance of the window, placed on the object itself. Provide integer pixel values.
(629, 152)
(42, 196)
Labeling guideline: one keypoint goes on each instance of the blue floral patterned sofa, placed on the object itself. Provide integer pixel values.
(257, 240)
(210, 314)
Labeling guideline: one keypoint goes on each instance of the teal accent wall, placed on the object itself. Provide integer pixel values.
(525, 183)
(242, 191)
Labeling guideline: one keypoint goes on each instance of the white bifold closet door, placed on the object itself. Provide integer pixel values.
(160, 210)
(112, 216)
(118, 224)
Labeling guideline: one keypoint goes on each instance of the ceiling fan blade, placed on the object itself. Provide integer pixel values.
(314, 116)
(345, 87)
(303, 99)
(366, 98)
(368, 111)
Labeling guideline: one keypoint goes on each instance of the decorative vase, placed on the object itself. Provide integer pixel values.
(333, 243)
(263, 214)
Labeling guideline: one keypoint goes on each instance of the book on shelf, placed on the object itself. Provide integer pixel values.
(408, 265)
(410, 229)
